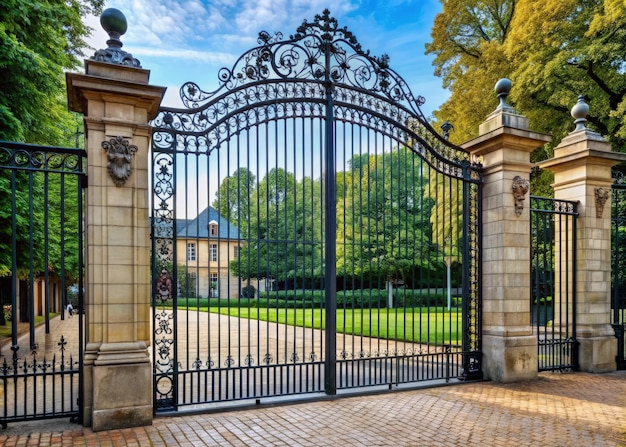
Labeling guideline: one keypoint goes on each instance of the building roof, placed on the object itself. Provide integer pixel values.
(199, 227)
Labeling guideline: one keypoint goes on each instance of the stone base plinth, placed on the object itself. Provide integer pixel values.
(122, 387)
(597, 354)
(122, 417)
(91, 354)
(510, 359)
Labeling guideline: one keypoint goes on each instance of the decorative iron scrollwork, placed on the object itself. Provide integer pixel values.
(120, 154)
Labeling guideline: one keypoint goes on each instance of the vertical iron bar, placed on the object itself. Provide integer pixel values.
(174, 347)
(574, 289)
(616, 250)
(563, 286)
(31, 259)
(465, 300)
(81, 181)
(62, 224)
(330, 273)
(46, 253)
(14, 311)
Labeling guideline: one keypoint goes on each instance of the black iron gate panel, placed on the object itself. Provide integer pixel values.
(311, 231)
(553, 279)
(618, 277)
(41, 273)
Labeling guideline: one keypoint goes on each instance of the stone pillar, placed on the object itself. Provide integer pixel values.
(117, 102)
(505, 143)
(582, 165)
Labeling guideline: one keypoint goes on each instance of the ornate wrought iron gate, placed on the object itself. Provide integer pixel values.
(553, 277)
(311, 231)
(618, 278)
(41, 271)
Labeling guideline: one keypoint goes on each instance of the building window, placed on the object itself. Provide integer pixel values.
(191, 252)
(212, 229)
(236, 252)
(213, 252)
(214, 285)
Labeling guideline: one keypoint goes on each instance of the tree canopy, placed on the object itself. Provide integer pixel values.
(552, 51)
(38, 41)
(384, 232)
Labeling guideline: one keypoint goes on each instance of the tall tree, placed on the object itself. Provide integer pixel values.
(467, 39)
(552, 51)
(565, 48)
(234, 196)
(383, 228)
(283, 240)
(38, 40)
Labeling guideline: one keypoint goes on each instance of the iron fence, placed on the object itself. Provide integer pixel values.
(40, 388)
(553, 279)
(618, 277)
(41, 272)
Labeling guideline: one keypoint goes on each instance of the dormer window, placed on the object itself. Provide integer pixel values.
(212, 228)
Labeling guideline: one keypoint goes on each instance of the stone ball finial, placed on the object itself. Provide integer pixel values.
(502, 89)
(113, 21)
(579, 113)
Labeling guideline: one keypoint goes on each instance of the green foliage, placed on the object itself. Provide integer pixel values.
(43, 208)
(248, 291)
(187, 281)
(576, 48)
(283, 231)
(315, 299)
(234, 196)
(38, 40)
(552, 51)
(467, 40)
(383, 229)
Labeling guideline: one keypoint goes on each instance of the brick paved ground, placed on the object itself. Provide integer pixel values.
(575, 409)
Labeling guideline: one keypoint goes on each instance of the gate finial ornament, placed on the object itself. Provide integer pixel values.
(120, 154)
(502, 89)
(579, 113)
(520, 188)
(114, 23)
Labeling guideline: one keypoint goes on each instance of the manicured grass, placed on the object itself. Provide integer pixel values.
(5, 331)
(425, 325)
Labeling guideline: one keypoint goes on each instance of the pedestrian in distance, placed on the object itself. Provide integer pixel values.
(70, 309)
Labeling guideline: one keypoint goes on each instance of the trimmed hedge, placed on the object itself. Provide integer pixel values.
(346, 299)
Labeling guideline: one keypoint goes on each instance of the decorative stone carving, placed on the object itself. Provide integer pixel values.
(520, 188)
(602, 194)
(120, 154)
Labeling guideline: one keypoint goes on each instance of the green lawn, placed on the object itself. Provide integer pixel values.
(426, 325)
(23, 328)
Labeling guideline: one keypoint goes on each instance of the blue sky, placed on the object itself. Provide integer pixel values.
(190, 40)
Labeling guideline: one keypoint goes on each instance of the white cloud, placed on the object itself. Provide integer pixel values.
(211, 57)
(181, 40)
(172, 97)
